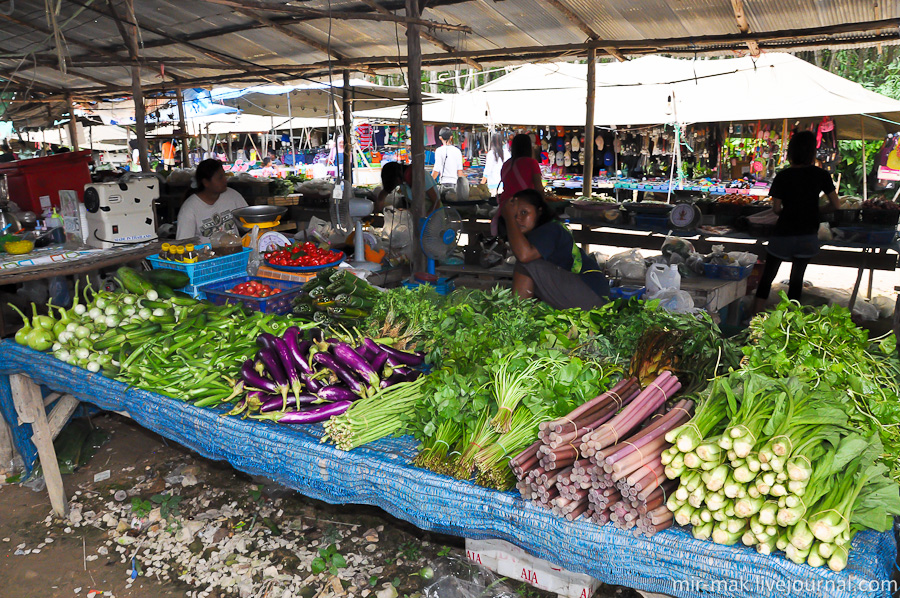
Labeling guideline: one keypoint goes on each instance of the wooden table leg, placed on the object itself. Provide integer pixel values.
(30, 408)
(859, 275)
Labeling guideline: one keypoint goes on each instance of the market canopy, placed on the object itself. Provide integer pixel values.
(79, 49)
(657, 90)
(311, 100)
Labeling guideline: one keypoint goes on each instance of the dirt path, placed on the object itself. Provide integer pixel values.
(226, 535)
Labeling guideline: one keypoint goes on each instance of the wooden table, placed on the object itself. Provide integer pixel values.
(77, 265)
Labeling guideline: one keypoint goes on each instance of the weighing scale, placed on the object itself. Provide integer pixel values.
(260, 216)
(685, 216)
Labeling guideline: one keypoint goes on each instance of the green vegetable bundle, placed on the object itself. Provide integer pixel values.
(776, 463)
(825, 346)
(335, 298)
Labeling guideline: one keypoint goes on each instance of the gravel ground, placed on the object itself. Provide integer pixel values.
(170, 523)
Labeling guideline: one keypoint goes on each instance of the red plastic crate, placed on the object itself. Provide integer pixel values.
(30, 179)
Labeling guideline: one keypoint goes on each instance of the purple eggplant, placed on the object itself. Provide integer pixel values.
(276, 404)
(373, 347)
(365, 352)
(273, 365)
(297, 350)
(253, 380)
(403, 357)
(336, 393)
(266, 341)
(378, 361)
(344, 375)
(346, 355)
(386, 382)
(284, 354)
(307, 416)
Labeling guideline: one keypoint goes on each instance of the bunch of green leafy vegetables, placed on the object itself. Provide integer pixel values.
(824, 346)
(454, 421)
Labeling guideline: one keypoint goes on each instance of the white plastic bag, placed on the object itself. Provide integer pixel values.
(628, 264)
(674, 300)
(660, 276)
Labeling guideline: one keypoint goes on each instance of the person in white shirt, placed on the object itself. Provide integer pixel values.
(448, 162)
(208, 208)
(493, 161)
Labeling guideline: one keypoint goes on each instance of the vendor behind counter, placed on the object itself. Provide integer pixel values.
(550, 266)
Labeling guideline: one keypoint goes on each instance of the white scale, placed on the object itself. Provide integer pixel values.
(121, 213)
(685, 216)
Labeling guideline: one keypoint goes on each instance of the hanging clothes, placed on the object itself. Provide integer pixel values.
(364, 136)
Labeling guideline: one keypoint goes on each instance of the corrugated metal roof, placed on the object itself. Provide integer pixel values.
(204, 43)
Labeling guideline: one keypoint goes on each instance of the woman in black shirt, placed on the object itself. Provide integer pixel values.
(795, 198)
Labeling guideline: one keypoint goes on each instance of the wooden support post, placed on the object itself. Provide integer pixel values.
(587, 181)
(291, 132)
(416, 129)
(7, 448)
(348, 137)
(865, 173)
(73, 126)
(30, 409)
(185, 146)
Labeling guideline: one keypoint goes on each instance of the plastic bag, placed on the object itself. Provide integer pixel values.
(825, 233)
(674, 300)
(628, 264)
(676, 246)
(461, 578)
(695, 264)
(885, 305)
(743, 258)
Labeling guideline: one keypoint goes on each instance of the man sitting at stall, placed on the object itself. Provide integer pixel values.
(550, 266)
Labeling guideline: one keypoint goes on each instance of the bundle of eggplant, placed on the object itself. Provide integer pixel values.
(297, 379)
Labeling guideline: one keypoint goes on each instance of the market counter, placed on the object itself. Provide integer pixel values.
(671, 562)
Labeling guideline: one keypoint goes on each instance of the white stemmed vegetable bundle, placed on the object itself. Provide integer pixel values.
(775, 463)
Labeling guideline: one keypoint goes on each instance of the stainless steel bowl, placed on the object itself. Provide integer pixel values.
(257, 214)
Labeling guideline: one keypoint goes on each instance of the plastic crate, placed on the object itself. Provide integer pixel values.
(880, 217)
(196, 291)
(869, 236)
(651, 221)
(727, 272)
(626, 292)
(442, 286)
(207, 271)
(276, 304)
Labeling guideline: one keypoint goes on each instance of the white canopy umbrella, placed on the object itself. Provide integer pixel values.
(651, 89)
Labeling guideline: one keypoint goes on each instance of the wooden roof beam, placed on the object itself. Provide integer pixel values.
(744, 25)
(216, 55)
(585, 28)
(296, 35)
(94, 50)
(423, 34)
(314, 13)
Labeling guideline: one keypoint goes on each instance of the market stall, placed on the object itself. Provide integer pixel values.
(612, 425)
(670, 562)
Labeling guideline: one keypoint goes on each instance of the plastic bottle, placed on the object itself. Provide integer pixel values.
(173, 252)
(164, 252)
(190, 256)
(179, 255)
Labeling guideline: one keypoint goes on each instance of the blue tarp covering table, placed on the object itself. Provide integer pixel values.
(671, 562)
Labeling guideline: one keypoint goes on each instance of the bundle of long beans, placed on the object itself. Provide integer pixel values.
(598, 464)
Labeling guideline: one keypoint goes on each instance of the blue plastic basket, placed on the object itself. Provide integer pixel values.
(869, 236)
(207, 271)
(626, 292)
(727, 272)
(276, 304)
(442, 286)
